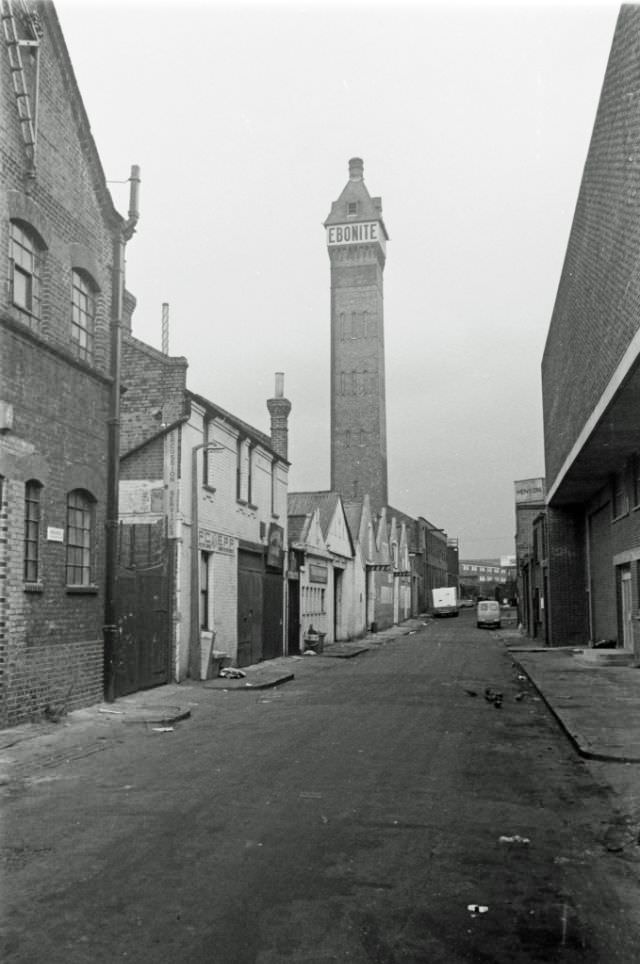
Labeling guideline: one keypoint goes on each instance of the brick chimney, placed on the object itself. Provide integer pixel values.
(279, 408)
(356, 169)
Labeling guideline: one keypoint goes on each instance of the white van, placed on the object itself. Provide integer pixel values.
(488, 614)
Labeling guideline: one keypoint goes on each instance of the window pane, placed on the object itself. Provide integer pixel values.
(79, 532)
(82, 315)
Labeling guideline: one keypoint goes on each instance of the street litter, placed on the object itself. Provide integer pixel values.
(519, 696)
(476, 909)
(515, 839)
(162, 729)
(310, 652)
(492, 697)
(229, 672)
(112, 712)
(412, 632)
(471, 692)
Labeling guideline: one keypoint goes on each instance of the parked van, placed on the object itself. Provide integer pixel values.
(488, 614)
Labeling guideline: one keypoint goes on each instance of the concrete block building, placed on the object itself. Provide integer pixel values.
(591, 380)
(61, 241)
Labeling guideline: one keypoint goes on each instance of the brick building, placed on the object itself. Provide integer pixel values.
(591, 379)
(356, 242)
(531, 557)
(60, 239)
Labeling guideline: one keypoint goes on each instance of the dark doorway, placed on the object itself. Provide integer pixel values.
(250, 606)
(293, 629)
(143, 608)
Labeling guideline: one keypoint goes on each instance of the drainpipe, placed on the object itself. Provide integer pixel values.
(110, 629)
(195, 644)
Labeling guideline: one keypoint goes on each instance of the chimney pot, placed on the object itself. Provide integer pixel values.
(356, 169)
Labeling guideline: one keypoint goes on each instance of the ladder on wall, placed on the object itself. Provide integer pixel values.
(28, 119)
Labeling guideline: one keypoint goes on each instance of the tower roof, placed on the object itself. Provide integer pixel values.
(355, 192)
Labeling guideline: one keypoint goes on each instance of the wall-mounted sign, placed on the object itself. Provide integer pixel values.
(529, 490)
(54, 534)
(318, 573)
(366, 232)
(212, 541)
(274, 548)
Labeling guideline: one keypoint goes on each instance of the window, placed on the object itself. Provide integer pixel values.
(83, 309)
(25, 268)
(274, 483)
(205, 567)
(636, 479)
(32, 491)
(352, 207)
(620, 501)
(79, 538)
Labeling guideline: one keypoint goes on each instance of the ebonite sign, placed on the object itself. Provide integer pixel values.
(364, 233)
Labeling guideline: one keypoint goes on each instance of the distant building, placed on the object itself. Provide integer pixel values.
(531, 558)
(484, 576)
(591, 380)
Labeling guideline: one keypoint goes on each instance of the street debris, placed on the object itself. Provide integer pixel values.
(521, 678)
(476, 909)
(412, 632)
(162, 729)
(493, 697)
(516, 839)
(230, 672)
(519, 696)
(111, 712)
(310, 652)
(471, 692)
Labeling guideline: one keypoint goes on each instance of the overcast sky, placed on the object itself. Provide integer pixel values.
(473, 122)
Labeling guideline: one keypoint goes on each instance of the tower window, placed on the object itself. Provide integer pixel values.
(352, 207)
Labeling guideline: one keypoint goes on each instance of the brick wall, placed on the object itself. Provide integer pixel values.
(358, 408)
(598, 301)
(568, 605)
(154, 387)
(51, 637)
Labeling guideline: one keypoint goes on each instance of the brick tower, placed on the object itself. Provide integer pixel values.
(356, 240)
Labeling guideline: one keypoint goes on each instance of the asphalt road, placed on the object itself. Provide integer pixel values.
(352, 815)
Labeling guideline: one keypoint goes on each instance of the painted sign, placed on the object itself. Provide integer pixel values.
(274, 548)
(212, 541)
(318, 573)
(529, 490)
(171, 476)
(141, 497)
(54, 534)
(366, 232)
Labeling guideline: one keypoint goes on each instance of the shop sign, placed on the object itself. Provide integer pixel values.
(318, 573)
(211, 541)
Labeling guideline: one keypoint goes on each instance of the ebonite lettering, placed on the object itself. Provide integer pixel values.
(353, 233)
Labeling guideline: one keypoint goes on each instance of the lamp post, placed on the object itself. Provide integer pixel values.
(194, 654)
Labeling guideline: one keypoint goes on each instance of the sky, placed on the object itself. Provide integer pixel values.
(473, 121)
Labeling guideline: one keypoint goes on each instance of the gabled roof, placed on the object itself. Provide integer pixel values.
(369, 209)
(305, 502)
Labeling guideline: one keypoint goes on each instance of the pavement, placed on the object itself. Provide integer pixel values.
(598, 706)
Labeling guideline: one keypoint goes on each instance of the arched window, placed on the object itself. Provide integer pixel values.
(25, 269)
(32, 513)
(347, 438)
(343, 333)
(80, 512)
(354, 325)
(83, 311)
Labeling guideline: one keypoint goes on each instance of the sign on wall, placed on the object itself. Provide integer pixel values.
(275, 546)
(529, 490)
(318, 573)
(211, 541)
(366, 232)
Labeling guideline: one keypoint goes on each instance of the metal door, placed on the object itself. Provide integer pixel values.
(250, 606)
(143, 608)
(272, 639)
(625, 595)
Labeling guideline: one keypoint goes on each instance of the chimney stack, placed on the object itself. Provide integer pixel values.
(279, 408)
(356, 169)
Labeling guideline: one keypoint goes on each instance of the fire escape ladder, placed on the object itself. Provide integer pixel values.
(23, 99)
